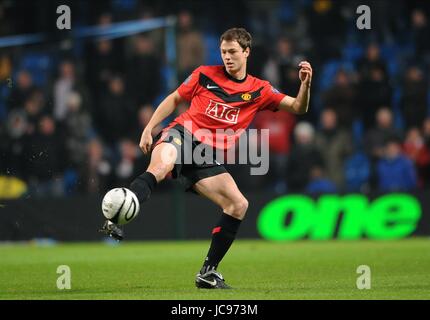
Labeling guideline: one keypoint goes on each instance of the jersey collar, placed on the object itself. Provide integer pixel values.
(233, 78)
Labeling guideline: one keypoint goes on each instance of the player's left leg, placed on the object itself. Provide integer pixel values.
(222, 190)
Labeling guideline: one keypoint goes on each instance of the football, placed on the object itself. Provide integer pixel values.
(120, 205)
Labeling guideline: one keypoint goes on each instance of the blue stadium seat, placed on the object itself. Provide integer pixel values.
(389, 51)
(352, 52)
(124, 5)
(287, 12)
(212, 49)
(357, 132)
(357, 171)
(39, 65)
(329, 71)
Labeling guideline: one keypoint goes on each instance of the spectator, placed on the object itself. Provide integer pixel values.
(370, 61)
(63, 86)
(319, 183)
(326, 28)
(118, 116)
(414, 100)
(376, 138)
(191, 51)
(144, 72)
(45, 156)
(34, 108)
(21, 91)
(373, 93)
(415, 148)
(426, 131)
(334, 144)
(104, 61)
(280, 128)
(281, 70)
(420, 33)
(78, 128)
(340, 97)
(14, 160)
(144, 115)
(395, 171)
(426, 137)
(97, 175)
(131, 163)
(5, 63)
(105, 19)
(304, 155)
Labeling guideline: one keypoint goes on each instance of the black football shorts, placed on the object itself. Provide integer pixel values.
(186, 170)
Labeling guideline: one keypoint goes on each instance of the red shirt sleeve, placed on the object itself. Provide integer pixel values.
(271, 98)
(189, 87)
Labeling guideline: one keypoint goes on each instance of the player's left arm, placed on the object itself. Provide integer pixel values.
(300, 104)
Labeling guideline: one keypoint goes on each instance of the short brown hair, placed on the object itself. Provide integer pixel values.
(240, 35)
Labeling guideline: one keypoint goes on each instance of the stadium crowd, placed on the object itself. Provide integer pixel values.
(71, 113)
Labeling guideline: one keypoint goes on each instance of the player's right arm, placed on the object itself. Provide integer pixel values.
(166, 107)
(185, 92)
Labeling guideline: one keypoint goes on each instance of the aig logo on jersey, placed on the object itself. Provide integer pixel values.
(223, 112)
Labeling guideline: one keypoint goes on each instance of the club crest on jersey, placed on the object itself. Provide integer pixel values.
(246, 96)
(222, 112)
(177, 141)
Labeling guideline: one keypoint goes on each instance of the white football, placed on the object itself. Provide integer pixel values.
(120, 205)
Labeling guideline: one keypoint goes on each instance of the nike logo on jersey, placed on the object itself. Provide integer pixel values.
(212, 283)
(211, 85)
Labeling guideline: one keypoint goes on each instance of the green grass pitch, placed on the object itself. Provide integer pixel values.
(256, 269)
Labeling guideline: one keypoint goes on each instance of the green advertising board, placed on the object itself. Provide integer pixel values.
(351, 216)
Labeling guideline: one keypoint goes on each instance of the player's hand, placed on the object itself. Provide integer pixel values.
(305, 73)
(146, 141)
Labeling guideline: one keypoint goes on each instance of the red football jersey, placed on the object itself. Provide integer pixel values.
(222, 107)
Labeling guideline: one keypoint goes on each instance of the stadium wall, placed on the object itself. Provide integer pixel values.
(175, 215)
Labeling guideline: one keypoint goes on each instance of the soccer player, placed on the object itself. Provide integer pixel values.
(220, 97)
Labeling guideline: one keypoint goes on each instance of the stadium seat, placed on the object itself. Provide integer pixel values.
(357, 132)
(212, 49)
(352, 52)
(39, 65)
(357, 171)
(124, 5)
(329, 71)
(287, 13)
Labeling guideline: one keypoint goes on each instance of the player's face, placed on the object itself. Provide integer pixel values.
(233, 56)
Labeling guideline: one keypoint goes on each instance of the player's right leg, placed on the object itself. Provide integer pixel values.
(163, 159)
